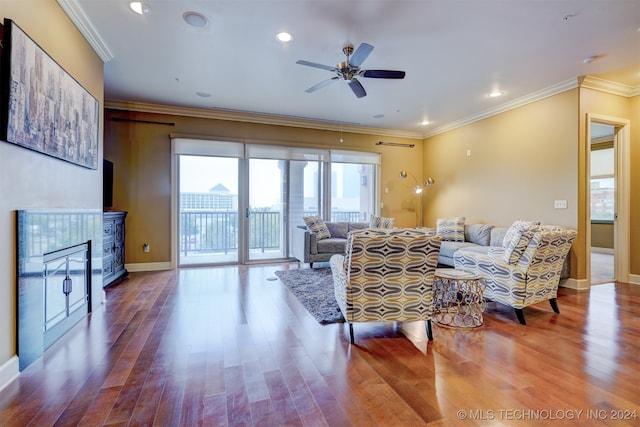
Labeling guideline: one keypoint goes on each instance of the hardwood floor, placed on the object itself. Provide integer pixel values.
(226, 346)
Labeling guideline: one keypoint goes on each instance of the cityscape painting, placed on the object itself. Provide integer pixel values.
(44, 108)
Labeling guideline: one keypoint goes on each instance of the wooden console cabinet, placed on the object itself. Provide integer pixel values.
(113, 269)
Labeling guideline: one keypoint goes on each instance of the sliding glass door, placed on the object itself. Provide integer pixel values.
(266, 211)
(239, 203)
(209, 223)
(354, 185)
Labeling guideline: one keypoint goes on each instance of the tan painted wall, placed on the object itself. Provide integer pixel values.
(29, 180)
(141, 154)
(521, 161)
(541, 148)
(601, 103)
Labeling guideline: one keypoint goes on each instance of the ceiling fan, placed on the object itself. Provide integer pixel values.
(350, 69)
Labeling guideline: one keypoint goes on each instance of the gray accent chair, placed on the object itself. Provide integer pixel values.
(308, 249)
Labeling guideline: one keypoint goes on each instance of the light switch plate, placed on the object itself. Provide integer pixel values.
(560, 204)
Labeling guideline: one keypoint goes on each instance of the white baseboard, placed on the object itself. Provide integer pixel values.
(582, 284)
(149, 266)
(9, 371)
(577, 284)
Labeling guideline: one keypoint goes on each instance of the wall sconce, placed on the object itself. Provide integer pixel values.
(418, 190)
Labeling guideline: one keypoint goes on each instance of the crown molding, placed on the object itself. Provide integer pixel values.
(614, 88)
(240, 116)
(518, 102)
(76, 14)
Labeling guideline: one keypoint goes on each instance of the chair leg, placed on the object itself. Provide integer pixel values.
(429, 331)
(554, 305)
(351, 340)
(520, 315)
(310, 265)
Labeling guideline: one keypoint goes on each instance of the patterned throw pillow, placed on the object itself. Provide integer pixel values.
(381, 222)
(515, 227)
(451, 229)
(316, 225)
(518, 245)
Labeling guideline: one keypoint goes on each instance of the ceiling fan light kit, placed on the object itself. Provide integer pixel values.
(350, 69)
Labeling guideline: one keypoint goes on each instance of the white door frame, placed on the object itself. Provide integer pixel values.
(621, 225)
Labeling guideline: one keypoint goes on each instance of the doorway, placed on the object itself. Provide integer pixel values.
(602, 202)
(617, 198)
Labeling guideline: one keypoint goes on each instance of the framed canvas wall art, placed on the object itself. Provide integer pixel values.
(43, 107)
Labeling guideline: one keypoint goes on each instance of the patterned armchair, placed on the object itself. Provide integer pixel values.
(526, 270)
(386, 275)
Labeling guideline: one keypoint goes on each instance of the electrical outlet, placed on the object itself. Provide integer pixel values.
(560, 204)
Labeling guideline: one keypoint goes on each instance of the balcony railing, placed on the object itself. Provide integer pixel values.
(206, 231)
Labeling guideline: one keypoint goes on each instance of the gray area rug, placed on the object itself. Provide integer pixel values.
(314, 289)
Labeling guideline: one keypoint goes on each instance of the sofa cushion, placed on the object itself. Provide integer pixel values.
(331, 245)
(381, 222)
(448, 248)
(451, 229)
(497, 236)
(478, 233)
(316, 225)
(476, 249)
(352, 226)
(338, 229)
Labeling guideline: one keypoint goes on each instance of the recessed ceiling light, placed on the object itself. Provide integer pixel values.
(425, 122)
(284, 36)
(203, 94)
(496, 93)
(378, 116)
(139, 7)
(195, 19)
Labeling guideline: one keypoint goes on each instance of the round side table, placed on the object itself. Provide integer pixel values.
(457, 298)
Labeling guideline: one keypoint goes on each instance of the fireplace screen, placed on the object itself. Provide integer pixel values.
(59, 269)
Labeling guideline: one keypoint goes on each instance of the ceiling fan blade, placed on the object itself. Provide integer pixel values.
(316, 65)
(361, 53)
(357, 88)
(322, 84)
(383, 74)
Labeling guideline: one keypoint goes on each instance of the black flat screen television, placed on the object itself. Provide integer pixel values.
(107, 184)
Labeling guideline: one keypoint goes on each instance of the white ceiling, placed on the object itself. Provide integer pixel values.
(453, 51)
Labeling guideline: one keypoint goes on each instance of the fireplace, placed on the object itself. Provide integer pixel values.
(59, 270)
